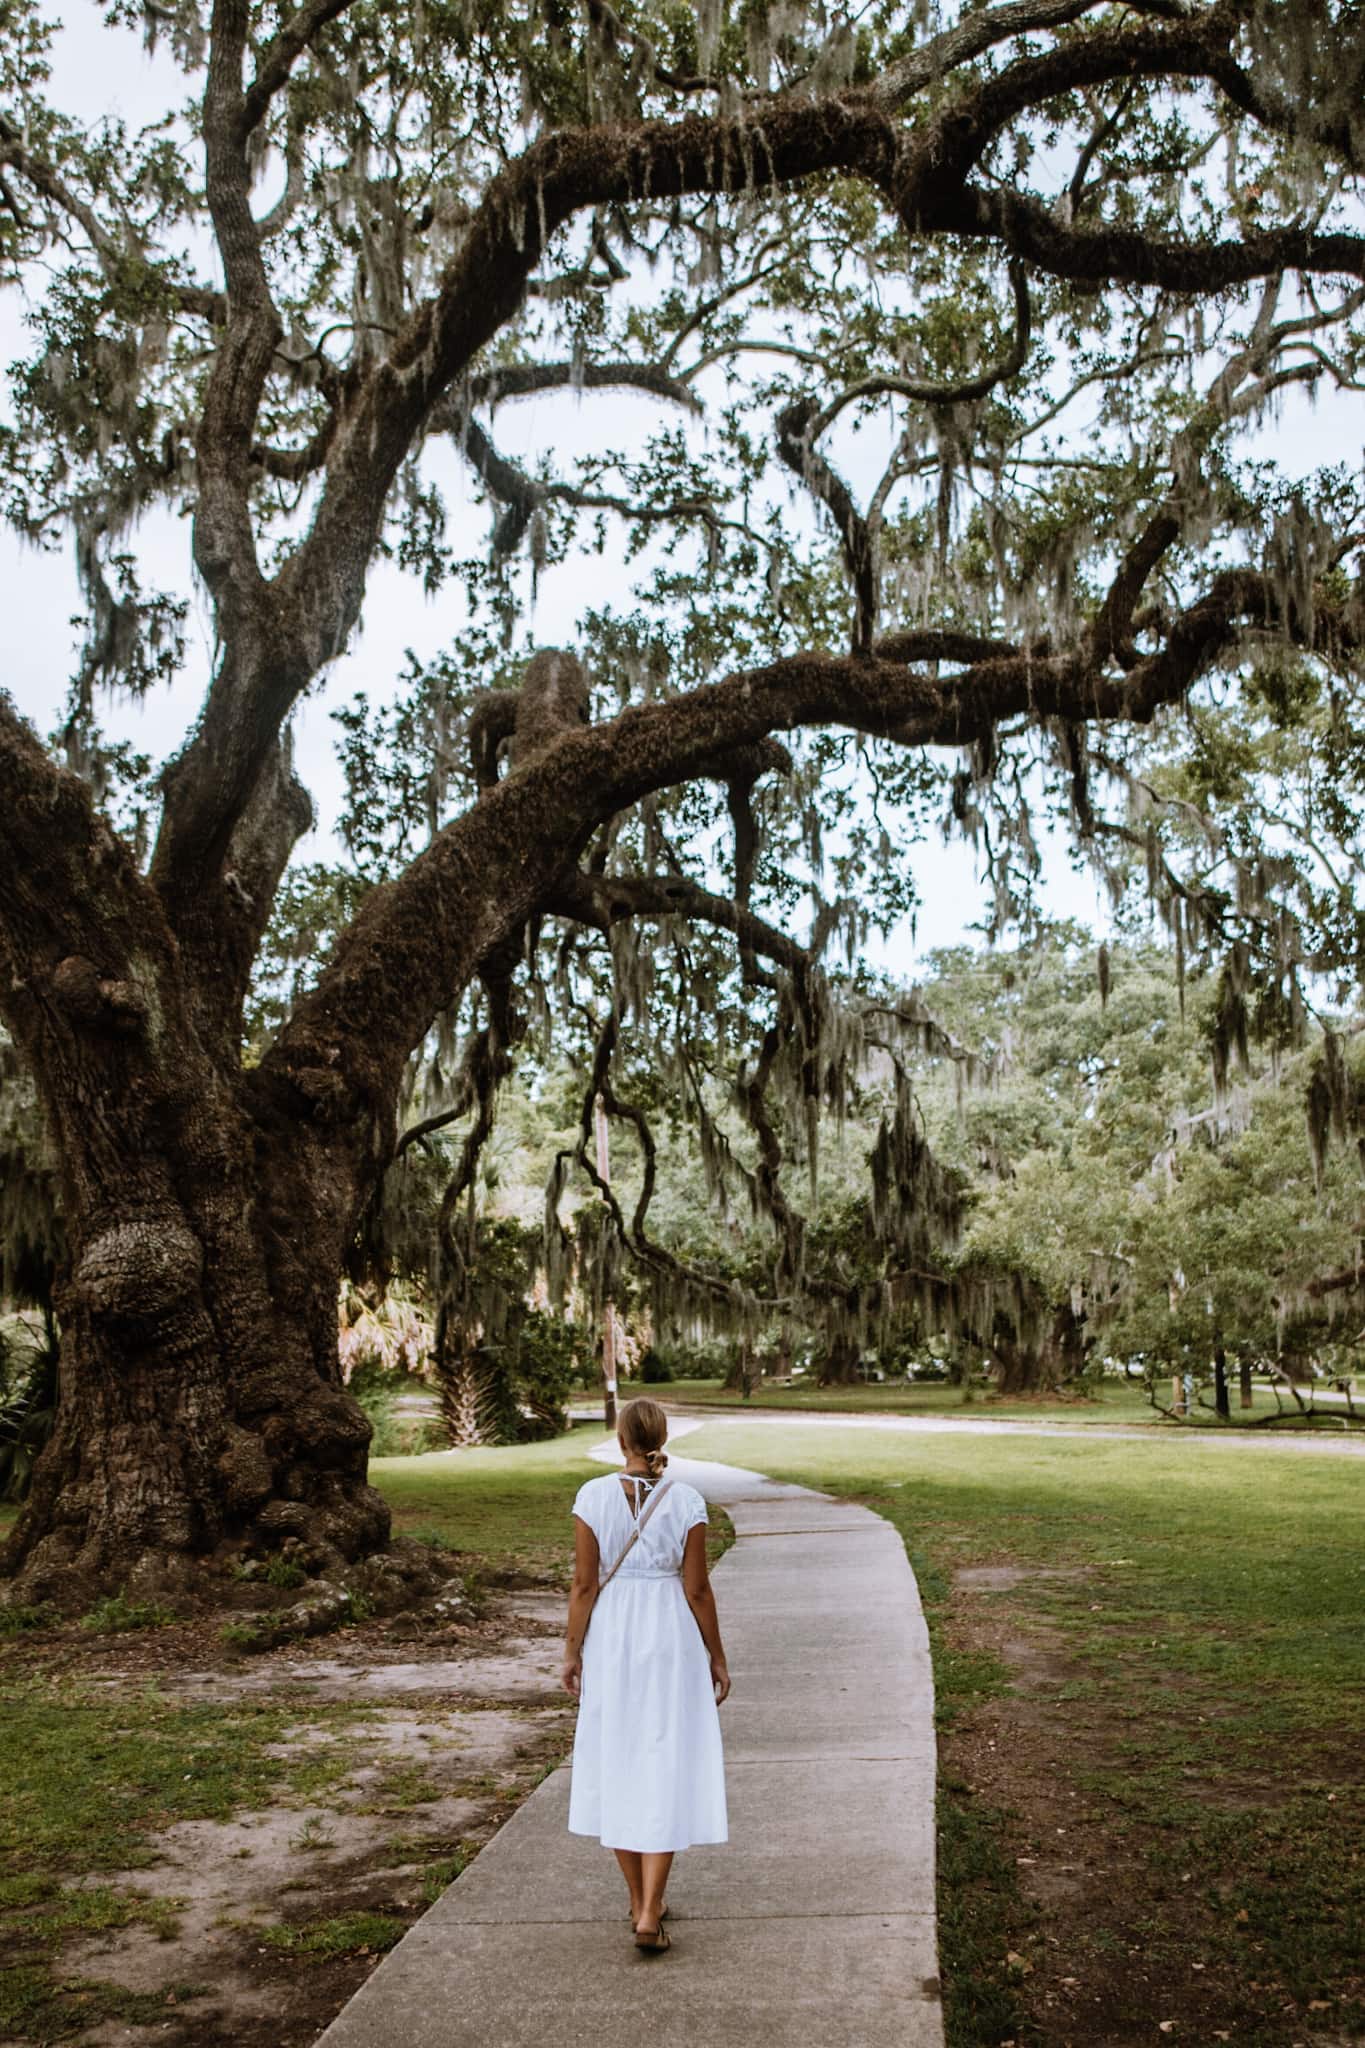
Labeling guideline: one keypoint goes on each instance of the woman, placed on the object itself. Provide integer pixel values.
(649, 1674)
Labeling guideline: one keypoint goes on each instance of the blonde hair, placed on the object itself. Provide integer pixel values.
(642, 1427)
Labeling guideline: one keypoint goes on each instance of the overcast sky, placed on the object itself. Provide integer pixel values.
(99, 70)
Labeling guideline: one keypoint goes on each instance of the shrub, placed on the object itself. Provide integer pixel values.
(283, 1572)
(28, 1411)
(386, 1429)
(16, 1619)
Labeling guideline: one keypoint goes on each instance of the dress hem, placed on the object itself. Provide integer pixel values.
(653, 1848)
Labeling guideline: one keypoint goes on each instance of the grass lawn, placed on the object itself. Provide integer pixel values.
(1150, 1664)
(94, 1773)
(507, 1509)
(1112, 1402)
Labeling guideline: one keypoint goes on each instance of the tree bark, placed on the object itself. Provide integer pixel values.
(201, 1410)
(1043, 1366)
(201, 1407)
(1017, 1367)
(842, 1364)
(1221, 1401)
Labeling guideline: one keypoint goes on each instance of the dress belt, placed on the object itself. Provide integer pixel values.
(649, 1572)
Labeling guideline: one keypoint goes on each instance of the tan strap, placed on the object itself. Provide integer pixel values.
(660, 1490)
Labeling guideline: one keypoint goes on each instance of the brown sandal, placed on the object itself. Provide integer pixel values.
(656, 1942)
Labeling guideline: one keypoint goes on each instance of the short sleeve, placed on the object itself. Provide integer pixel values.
(583, 1504)
(694, 1510)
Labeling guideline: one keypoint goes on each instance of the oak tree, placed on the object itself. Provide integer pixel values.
(1055, 258)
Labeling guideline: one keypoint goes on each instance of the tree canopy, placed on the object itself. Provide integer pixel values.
(957, 325)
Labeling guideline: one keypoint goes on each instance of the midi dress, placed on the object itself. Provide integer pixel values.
(648, 1770)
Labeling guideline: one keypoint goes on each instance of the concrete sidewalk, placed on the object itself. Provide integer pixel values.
(814, 1924)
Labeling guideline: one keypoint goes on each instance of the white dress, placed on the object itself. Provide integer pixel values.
(648, 1773)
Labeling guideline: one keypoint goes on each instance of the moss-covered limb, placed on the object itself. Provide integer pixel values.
(421, 937)
(678, 1283)
(277, 60)
(522, 496)
(570, 171)
(600, 901)
(800, 425)
(796, 436)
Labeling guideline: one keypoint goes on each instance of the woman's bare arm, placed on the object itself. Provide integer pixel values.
(697, 1586)
(582, 1600)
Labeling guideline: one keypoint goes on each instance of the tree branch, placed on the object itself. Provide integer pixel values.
(210, 305)
(280, 56)
(489, 871)
(1129, 256)
(796, 446)
(968, 39)
(634, 1237)
(604, 900)
(527, 380)
(276, 640)
(930, 393)
(523, 496)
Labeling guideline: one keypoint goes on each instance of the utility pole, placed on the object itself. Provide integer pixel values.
(608, 1307)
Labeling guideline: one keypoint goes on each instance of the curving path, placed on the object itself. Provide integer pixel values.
(815, 1924)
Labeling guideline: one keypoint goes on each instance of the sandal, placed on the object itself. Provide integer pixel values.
(656, 1942)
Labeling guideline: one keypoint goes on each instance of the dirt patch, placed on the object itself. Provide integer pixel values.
(279, 1914)
(1003, 1578)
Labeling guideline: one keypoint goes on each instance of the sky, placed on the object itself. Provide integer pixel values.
(97, 71)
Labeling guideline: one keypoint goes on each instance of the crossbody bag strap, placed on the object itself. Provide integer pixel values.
(660, 1490)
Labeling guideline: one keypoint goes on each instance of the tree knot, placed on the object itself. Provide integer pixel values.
(96, 999)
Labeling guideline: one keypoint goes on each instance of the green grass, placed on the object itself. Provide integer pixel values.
(1109, 1404)
(509, 1508)
(92, 1778)
(438, 1876)
(43, 1912)
(504, 1510)
(347, 1934)
(117, 1614)
(34, 2006)
(18, 1620)
(90, 1781)
(1215, 1665)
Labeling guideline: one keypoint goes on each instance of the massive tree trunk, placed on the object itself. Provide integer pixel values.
(842, 1364)
(201, 1406)
(1054, 1358)
(206, 1214)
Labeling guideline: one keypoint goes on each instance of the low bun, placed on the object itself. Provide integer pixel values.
(643, 1429)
